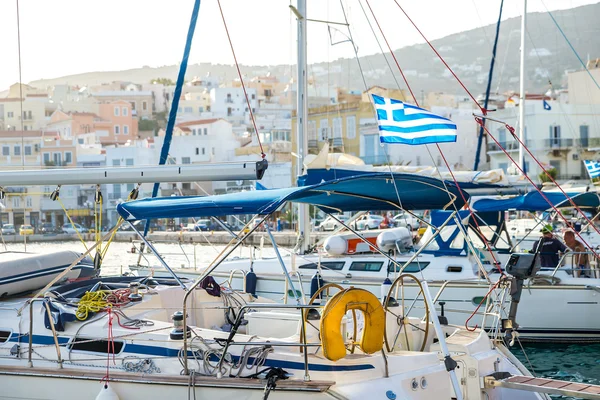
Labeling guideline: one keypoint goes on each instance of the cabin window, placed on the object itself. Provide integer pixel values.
(4, 335)
(477, 300)
(412, 267)
(330, 265)
(371, 266)
(454, 268)
(95, 345)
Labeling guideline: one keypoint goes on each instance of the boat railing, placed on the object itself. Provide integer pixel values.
(229, 281)
(493, 307)
(567, 263)
(182, 255)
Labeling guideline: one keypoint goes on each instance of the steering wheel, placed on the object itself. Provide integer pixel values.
(402, 319)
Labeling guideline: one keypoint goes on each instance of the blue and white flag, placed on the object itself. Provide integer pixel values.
(593, 168)
(407, 124)
(547, 106)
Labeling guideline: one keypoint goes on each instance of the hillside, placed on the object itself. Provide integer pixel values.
(467, 52)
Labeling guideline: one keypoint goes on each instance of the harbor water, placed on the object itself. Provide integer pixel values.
(570, 362)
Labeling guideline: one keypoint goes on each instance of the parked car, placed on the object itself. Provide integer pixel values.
(330, 224)
(367, 222)
(8, 229)
(26, 230)
(203, 225)
(406, 220)
(189, 228)
(74, 228)
(47, 227)
(140, 225)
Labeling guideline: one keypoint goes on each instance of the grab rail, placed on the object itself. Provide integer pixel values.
(593, 262)
(232, 274)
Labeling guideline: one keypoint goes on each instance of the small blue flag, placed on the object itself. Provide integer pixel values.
(407, 124)
(547, 106)
(593, 168)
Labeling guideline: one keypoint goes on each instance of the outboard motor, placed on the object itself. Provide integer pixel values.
(521, 266)
(251, 280)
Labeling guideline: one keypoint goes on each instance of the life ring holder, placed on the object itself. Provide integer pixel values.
(400, 281)
(372, 338)
(314, 297)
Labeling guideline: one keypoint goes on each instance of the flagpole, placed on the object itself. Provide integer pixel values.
(522, 88)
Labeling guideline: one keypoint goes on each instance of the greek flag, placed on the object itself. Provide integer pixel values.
(407, 124)
(593, 168)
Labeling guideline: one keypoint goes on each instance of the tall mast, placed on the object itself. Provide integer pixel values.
(302, 119)
(522, 88)
(487, 90)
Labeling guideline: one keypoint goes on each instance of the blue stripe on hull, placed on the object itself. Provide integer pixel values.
(40, 273)
(141, 349)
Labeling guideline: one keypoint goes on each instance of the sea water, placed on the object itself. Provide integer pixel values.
(568, 362)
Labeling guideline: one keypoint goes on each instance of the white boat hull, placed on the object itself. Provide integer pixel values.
(22, 272)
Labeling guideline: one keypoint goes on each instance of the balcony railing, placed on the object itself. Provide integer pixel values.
(558, 144)
(313, 144)
(508, 146)
(587, 143)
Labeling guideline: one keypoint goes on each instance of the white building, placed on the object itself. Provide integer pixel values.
(198, 142)
(229, 102)
(560, 138)
(139, 153)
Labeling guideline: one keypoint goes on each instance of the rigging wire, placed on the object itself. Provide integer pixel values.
(373, 108)
(381, 50)
(479, 231)
(570, 45)
(511, 129)
(483, 110)
(237, 66)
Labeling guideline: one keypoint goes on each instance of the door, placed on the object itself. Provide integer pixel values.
(18, 220)
(34, 220)
(556, 165)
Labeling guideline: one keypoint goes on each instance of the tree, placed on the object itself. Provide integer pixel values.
(163, 81)
(147, 125)
(544, 178)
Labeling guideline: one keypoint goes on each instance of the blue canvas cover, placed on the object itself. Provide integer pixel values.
(375, 191)
(534, 201)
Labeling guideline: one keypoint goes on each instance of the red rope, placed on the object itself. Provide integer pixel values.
(483, 110)
(392, 53)
(262, 152)
(478, 306)
(111, 345)
(512, 131)
(479, 231)
(480, 122)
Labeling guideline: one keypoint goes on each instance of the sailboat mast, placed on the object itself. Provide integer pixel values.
(522, 88)
(302, 119)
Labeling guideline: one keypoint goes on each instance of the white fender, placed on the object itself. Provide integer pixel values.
(107, 393)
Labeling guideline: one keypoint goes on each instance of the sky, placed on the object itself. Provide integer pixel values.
(64, 37)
